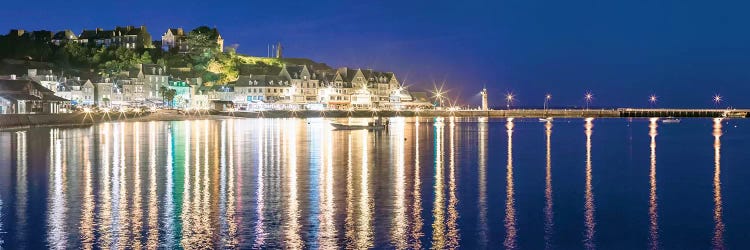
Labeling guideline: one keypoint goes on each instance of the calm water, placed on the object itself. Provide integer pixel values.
(272, 183)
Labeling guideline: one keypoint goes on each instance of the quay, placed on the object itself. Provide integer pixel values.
(516, 113)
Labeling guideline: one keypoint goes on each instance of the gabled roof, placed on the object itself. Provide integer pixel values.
(19, 96)
(176, 32)
(261, 81)
(87, 34)
(21, 85)
(65, 35)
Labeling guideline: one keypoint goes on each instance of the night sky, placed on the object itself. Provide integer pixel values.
(683, 51)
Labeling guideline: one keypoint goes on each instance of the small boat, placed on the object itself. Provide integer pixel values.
(340, 126)
(670, 120)
(548, 119)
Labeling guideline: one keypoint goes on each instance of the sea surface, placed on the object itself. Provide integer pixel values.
(423, 183)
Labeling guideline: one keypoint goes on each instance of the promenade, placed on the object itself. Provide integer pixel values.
(516, 113)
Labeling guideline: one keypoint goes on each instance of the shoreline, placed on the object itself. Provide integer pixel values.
(12, 122)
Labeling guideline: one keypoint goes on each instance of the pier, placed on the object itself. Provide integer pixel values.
(517, 113)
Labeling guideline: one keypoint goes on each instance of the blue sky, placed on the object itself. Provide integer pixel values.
(622, 51)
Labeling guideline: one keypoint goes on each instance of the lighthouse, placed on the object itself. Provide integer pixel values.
(484, 99)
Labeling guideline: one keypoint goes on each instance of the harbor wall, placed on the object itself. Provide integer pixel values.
(30, 120)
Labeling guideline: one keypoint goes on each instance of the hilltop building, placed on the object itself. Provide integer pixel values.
(63, 37)
(128, 36)
(176, 38)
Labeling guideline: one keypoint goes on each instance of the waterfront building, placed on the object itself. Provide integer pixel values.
(182, 95)
(303, 87)
(362, 89)
(105, 93)
(153, 77)
(82, 93)
(77, 91)
(44, 77)
(133, 89)
(24, 96)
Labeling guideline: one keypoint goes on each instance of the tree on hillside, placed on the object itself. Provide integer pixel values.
(203, 51)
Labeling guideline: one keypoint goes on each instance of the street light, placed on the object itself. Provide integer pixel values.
(588, 97)
(547, 98)
(652, 100)
(717, 100)
(439, 94)
(509, 98)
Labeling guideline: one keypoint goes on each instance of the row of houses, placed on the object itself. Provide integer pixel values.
(292, 87)
(131, 37)
(302, 87)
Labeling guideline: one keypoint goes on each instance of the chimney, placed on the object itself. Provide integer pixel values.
(13, 77)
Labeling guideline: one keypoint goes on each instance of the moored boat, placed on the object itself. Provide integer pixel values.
(548, 119)
(670, 120)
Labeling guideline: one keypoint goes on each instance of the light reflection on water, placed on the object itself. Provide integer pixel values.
(652, 200)
(510, 207)
(589, 206)
(718, 240)
(296, 183)
(549, 213)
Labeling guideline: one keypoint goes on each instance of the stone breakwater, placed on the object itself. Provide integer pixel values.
(428, 113)
(516, 113)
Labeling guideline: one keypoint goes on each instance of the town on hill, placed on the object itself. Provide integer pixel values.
(52, 72)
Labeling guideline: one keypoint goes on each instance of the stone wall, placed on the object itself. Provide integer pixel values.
(24, 120)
